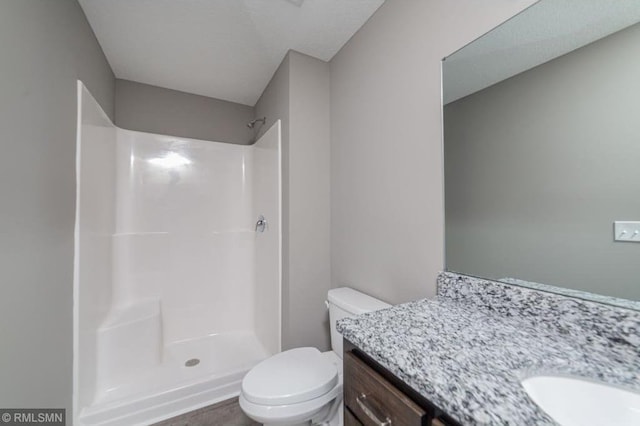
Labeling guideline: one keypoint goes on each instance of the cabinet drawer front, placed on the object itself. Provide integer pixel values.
(374, 400)
(349, 419)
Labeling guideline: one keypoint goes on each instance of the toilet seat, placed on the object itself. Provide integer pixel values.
(291, 413)
(290, 377)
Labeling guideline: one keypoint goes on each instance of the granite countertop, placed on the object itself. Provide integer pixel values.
(468, 358)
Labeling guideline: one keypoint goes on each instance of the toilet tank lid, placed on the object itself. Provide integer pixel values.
(354, 302)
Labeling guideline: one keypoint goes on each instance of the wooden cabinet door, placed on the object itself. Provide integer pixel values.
(375, 401)
(350, 419)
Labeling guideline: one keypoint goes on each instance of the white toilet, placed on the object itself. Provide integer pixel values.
(304, 386)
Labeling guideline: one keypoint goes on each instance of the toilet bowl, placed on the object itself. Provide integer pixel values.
(293, 387)
(303, 386)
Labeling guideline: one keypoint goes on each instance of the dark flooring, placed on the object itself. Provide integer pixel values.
(225, 413)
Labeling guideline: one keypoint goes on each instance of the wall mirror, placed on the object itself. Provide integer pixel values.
(542, 151)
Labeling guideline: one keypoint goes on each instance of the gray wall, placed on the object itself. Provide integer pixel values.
(155, 109)
(45, 47)
(274, 104)
(387, 212)
(298, 94)
(539, 166)
(309, 210)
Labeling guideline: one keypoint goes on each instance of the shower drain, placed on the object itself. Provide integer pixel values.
(192, 362)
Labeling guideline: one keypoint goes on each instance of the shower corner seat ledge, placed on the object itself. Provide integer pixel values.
(124, 315)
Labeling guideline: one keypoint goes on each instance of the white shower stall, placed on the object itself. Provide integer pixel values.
(176, 295)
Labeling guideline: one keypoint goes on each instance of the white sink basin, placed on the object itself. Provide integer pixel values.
(572, 401)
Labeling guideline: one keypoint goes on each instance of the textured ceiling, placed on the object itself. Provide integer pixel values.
(226, 49)
(544, 31)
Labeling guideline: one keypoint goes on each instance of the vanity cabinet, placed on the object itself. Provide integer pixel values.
(374, 397)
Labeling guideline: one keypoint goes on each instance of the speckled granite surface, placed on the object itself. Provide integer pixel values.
(467, 350)
(593, 297)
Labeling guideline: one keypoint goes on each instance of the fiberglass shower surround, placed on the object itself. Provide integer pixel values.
(176, 294)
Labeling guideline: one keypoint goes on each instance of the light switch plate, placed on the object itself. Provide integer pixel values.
(626, 231)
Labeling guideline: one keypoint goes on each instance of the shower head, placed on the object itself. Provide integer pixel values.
(252, 123)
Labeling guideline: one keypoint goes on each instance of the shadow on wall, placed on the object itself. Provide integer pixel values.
(163, 111)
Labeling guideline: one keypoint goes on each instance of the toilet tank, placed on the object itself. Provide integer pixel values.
(347, 302)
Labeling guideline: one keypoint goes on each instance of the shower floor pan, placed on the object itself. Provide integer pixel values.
(192, 374)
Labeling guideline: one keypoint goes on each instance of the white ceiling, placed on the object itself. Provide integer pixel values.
(226, 49)
(544, 31)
